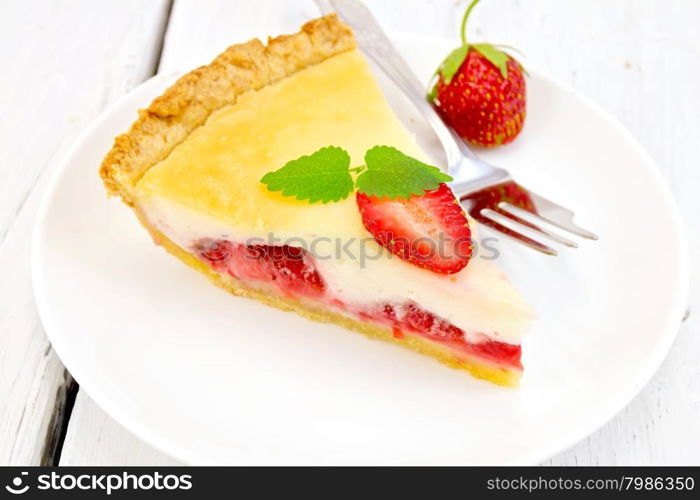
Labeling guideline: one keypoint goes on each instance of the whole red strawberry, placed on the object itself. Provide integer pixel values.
(480, 92)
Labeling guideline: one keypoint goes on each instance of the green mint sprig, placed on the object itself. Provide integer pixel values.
(325, 175)
(322, 176)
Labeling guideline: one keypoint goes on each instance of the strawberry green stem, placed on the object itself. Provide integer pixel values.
(464, 20)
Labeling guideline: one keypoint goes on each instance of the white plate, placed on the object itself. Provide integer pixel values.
(211, 378)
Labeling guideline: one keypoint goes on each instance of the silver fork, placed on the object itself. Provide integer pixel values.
(487, 192)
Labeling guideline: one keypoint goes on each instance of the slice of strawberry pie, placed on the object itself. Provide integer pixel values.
(282, 174)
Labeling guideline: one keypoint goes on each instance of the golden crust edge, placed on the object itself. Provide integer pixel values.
(496, 375)
(188, 103)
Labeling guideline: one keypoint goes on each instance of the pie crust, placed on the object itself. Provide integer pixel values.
(194, 97)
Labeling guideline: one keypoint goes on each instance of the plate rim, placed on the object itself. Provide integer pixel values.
(540, 454)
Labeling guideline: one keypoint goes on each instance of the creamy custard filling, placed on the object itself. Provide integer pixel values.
(480, 300)
(404, 321)
(291, 272)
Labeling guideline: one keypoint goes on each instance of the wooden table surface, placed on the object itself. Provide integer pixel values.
(64, 61)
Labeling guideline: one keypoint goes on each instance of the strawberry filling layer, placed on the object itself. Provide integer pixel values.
(293, 272)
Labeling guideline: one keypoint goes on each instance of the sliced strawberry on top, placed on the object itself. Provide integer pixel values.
(430, 231)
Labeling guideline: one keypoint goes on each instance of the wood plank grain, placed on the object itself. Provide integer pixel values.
(626, 55)
(94, 438)
(63, 62)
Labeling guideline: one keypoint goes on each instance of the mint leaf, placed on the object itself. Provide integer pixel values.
(321, 176)
(326, 175)
(393, 174)
(495, 56)
(449, 67)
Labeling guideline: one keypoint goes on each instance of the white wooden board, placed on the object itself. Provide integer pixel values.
(63, 62)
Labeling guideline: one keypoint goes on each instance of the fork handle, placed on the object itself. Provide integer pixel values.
(374, 42)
